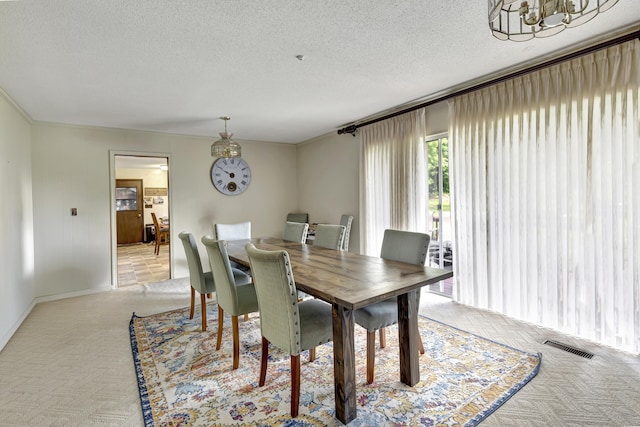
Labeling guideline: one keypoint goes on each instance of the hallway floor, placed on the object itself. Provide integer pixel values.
(138, 264)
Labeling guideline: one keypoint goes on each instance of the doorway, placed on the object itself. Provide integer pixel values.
(141, 188)
(440, 246)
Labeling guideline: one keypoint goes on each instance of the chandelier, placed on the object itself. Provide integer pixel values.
(540, 18)
(225, 146)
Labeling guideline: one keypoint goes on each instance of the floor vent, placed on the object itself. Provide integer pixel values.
(568, 348)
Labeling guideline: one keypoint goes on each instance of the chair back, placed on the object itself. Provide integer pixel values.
(346, 220)
(405, 246)
(196, 275)
(298, 217)
(277, 298)
(239, 231)
(329, 236)
(295, 231)
(226, 292)
(156, 224)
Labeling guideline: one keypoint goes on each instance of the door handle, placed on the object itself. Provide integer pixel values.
(139, 215)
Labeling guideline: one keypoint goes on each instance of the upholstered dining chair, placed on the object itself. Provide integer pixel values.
(237, 231)
(346, 220)
(233, 298)
(162, 233)
(200, 281)
(295, 231)
(298, 217)
(403, 246)
(329, 236)
(285, 322)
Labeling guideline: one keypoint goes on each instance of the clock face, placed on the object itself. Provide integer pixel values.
(230, 176)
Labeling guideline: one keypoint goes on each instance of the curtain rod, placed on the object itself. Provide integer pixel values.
(618, 40)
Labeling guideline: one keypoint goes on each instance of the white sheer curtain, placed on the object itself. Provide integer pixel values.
(545, 179)
(393, 178)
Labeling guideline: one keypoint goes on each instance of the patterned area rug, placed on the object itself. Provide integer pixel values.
(184, 381)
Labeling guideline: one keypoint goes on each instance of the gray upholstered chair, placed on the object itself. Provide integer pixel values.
(346, 220)
(239, 231)
(200, 281)
(295, 231)
(329, 236)
(298, 217)
(286, 323)
(233, 298)
(403, 246)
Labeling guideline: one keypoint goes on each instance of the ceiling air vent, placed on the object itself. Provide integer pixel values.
(568, 348)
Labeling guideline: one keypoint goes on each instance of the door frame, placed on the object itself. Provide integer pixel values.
(112, 207)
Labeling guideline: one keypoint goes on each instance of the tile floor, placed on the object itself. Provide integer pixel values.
(138, 264)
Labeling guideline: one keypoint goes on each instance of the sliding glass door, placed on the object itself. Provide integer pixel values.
(439, 215)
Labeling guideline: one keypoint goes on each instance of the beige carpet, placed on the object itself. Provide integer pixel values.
(70, 364)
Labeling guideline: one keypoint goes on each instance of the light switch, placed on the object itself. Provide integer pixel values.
(74, 212)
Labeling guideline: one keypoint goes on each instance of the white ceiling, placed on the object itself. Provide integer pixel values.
(178, 65)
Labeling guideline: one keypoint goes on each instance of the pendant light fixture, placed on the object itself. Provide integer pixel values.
(225, 146)
(521, 21)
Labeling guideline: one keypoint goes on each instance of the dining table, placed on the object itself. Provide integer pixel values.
(349, 281)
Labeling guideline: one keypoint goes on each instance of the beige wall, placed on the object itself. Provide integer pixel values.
(328, 174)
(16, 219)
(437, 117)
(71, 168)
(328, 181)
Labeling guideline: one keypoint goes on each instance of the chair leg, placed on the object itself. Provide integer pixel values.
(193, 303)
(246, 317)
(420, 344)
(383, 337)
(263, 362)
(203, 309)
(220, 327)
(371, 355)
(236, 341)
(295, 385)
(312, 354)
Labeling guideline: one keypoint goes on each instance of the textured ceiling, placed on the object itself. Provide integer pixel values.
(177, 66)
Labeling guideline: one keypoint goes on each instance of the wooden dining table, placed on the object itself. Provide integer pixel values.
(349, 281)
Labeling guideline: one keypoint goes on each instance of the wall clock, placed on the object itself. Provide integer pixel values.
(230, 176)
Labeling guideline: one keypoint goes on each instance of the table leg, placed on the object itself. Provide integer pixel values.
(344, 364)
(408, 337)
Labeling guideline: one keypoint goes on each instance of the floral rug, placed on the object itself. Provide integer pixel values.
(184, 381)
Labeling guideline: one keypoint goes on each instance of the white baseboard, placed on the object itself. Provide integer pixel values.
(71, 295)
(5, 339)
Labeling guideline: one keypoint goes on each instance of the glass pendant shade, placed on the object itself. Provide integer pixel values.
(521, 21)
(225, 146)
